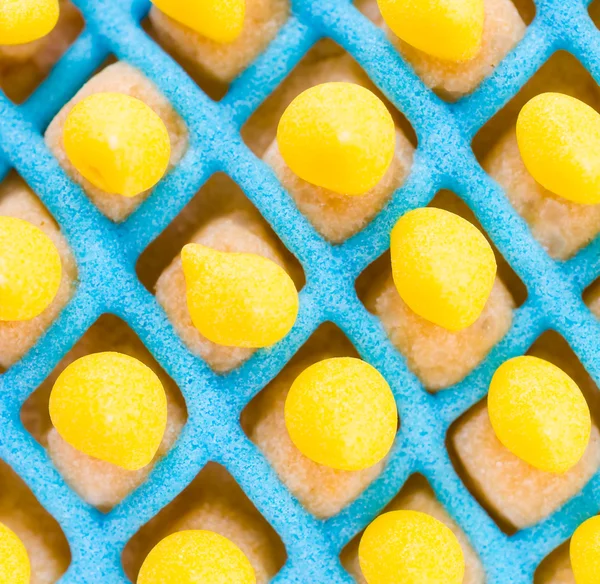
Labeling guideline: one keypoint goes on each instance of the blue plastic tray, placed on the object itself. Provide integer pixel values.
(106, 254)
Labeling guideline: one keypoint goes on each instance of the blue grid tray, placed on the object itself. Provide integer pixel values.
(106, 254)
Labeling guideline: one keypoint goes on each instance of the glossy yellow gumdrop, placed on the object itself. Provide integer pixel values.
(238, 299)
(339, 136)
(443, 267)
(14, 561)
(23, 21)
(448, 29)
(539, 414)
(117, 143)
(196, 557)
(219, 20)
(585, 552)
(341, 413)
(559, 141)
(30, 270)
(112, 407)
(410, 547)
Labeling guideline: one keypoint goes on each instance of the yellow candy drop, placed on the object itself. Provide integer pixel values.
(410, 547)
(585, 552)
(238, 299)
(219, 20)
(539, 414)
(559, 141)
(196, 557)
(23, 21)
(443, 267)
(448, 29)
(14, 561)
(30, 270)
(341, 413)
(112, 407)
(339, 136)
(117, 143)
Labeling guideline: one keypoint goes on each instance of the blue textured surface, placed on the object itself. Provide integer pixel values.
(106, 256)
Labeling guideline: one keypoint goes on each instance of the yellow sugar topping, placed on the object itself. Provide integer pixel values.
(112, 407)
(443, 267)
(238, 299)
(219, 20)
(539, 414)
(585, 552)
(339, 136)
(30, 270)
(410, 547)
(14, 561)
(341, 413)
(195, 557)
(23, 21)
(117, 142)
(559, 141)
(451, 30)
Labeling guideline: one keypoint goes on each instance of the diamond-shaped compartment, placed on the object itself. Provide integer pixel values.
(100, 483)
(417, 495)
(213, 501)
(441, 358)
(515, 494)
(323, 491)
